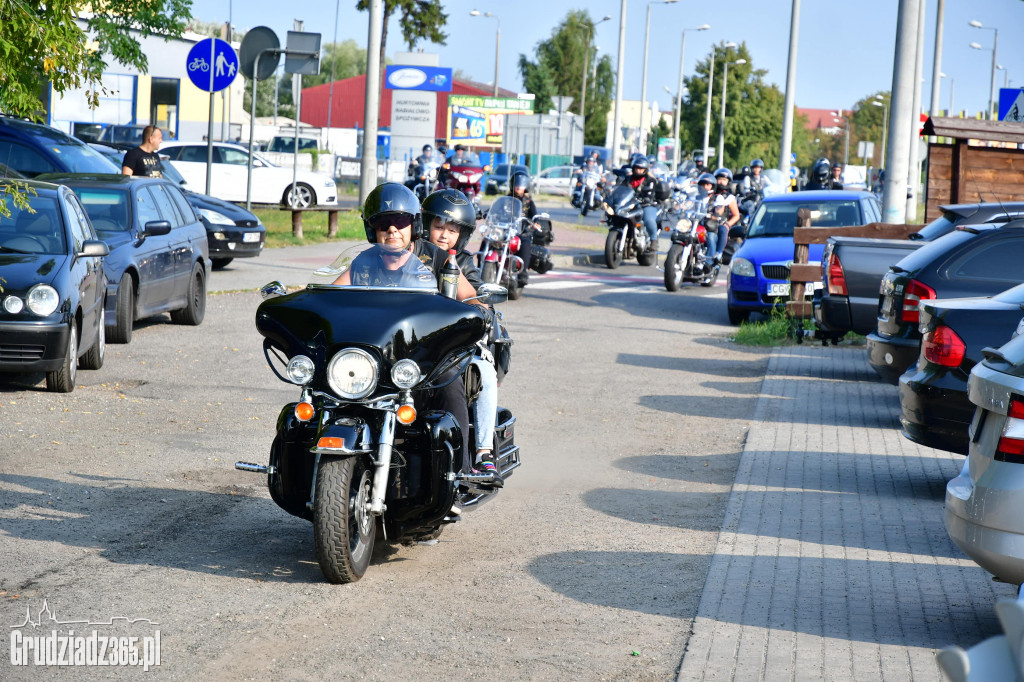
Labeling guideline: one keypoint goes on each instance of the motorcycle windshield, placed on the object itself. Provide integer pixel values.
(379, 266)
(503, 219)
(621, 197)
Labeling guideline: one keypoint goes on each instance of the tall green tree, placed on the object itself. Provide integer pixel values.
(419, 19)
(558, 71)
(41, 42)
(868, 123)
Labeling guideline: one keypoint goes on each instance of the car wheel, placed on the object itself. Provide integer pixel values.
(93, 358)
(124, 313)
(62, 380)
(302, 197)
(195, 306)
(738, 316)
(220, 263)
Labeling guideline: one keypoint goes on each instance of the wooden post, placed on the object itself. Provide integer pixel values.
(297, 223)
(801, 253)
(332, 223)
(957, 182)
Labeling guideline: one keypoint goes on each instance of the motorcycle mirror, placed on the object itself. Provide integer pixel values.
(272, 290)
(490, 294)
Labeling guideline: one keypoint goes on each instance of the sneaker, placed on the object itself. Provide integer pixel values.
(487, 467)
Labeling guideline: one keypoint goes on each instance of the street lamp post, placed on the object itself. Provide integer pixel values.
(679, 96)
(497, 43)
(586, 69)
(721, 127)
(707, 112)
(995, 49)
(885, 123)
(643, 83)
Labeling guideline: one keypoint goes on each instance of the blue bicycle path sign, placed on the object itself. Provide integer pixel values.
(211, 64)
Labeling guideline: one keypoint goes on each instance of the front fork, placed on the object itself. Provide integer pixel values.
(385, 446)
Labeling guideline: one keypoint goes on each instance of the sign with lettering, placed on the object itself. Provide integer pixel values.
(479, 121)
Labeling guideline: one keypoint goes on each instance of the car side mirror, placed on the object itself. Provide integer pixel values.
(93, 248)
(272, 290)
(157, 228)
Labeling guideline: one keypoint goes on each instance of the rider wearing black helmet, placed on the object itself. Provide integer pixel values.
(643, 185)
(725, 209)
(519, 187)
(393, 220)
(820, 175)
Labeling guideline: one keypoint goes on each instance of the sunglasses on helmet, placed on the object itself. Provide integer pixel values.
(383, 223)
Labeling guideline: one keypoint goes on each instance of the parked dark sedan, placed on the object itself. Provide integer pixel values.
(52, 287)
(980, 260)
(933, 394)
(158, 251)
(231, 231)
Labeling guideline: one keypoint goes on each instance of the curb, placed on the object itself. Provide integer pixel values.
(565, 260)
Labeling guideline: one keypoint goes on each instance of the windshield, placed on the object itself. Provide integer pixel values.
(78, 157)
(467, 159)
(107, 208)
(503, 219)
(36, 229)
(171, 173)
(287, 144)
(122, 134)
(373, 266)
(778, 218)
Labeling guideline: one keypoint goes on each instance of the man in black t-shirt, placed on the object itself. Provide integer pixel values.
(143, 160)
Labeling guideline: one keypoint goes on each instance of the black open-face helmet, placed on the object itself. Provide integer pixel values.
(427, 148)
(519, 180)
(391, 198)
(451, 206)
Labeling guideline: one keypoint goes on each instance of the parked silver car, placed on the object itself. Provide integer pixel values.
(984, 503)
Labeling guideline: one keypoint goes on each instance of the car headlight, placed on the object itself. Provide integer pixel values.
(352, 373)
(742, 267)
(1016, 333)
(328, 182)
(42, 299)
(300, 370)
(13, 305)
(215, 217)
(405, 374)
(219, 235)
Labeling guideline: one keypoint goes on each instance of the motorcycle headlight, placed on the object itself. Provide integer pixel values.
(741, 267)
(42, 299)
(13, 305)
(461, 178)
(352, 373)
(300, 370)
(609, 210)
(215, 217)
(405, 374)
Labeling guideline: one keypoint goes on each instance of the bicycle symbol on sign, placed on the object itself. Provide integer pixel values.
(199, 64)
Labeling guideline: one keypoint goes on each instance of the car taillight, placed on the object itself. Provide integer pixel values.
(916, 292)
(1011, 444)
(943, 346)
(836, 277)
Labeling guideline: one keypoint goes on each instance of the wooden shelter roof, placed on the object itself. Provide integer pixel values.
(974, 129)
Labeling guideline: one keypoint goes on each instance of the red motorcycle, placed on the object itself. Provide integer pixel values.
(464, 173)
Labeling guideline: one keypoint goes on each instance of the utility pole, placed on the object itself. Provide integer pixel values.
(914, 151)
(897, 171)
(786, 149)
(940, 11)
(617, 118)
(368, 173)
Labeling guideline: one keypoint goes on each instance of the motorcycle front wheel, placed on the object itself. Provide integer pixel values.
(489, 272)
(612, 255)
(343, 527)
(674, 268)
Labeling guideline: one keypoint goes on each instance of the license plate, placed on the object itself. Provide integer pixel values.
(251, 237)
(778, 289)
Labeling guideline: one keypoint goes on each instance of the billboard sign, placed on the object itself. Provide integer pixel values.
(479, 121)
(404, 77)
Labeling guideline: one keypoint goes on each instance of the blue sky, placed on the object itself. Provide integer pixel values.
(845, 49)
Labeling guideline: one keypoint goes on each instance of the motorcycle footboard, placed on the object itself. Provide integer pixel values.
(504, 437)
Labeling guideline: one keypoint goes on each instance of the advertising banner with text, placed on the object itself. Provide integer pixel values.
(479, 121)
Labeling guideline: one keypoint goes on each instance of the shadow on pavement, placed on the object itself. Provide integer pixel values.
(713, 366)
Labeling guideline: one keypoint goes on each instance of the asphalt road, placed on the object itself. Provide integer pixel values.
(121, 499)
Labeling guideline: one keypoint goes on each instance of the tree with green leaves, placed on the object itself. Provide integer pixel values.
(558, 71)
(66, 43)
(868, 123)
(419, 19)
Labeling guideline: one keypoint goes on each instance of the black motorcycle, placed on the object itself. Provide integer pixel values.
(688, 255)
(361, 447)
(626, 234)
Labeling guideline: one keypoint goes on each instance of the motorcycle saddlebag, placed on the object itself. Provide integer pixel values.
(543, 233)
(662, 191)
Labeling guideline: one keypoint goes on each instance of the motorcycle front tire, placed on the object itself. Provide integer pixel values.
(514, 290)
(343, 528)
(674, 268)
(612, 255)
(489, 272)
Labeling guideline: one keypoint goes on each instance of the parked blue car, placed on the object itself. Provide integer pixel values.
(759, 271)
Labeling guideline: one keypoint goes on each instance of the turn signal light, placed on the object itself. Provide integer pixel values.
(943, 346)
(304, 412)
(1011, 444)
(406, 414)
(332, 442)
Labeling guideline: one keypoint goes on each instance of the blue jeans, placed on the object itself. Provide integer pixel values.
(651, 224)
(723, 237)
(486, 410)
(712, 241)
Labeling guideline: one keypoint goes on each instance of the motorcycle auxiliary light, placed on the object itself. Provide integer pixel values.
(300, 370)
(304, 411)
(405, 374)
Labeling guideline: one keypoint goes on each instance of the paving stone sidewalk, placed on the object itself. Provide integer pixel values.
(833, 562)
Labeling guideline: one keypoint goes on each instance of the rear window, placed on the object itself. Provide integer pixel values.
(934, 250)
(944, 224)
(778, 218)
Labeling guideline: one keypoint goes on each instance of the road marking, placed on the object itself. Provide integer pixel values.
(561, 284)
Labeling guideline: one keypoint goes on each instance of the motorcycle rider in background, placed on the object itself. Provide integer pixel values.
(519, 187)
(451, 220)
(416, 166)
(751, 189)
(820, 175)
(837, 175)
(725, 208)
(643, 185)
